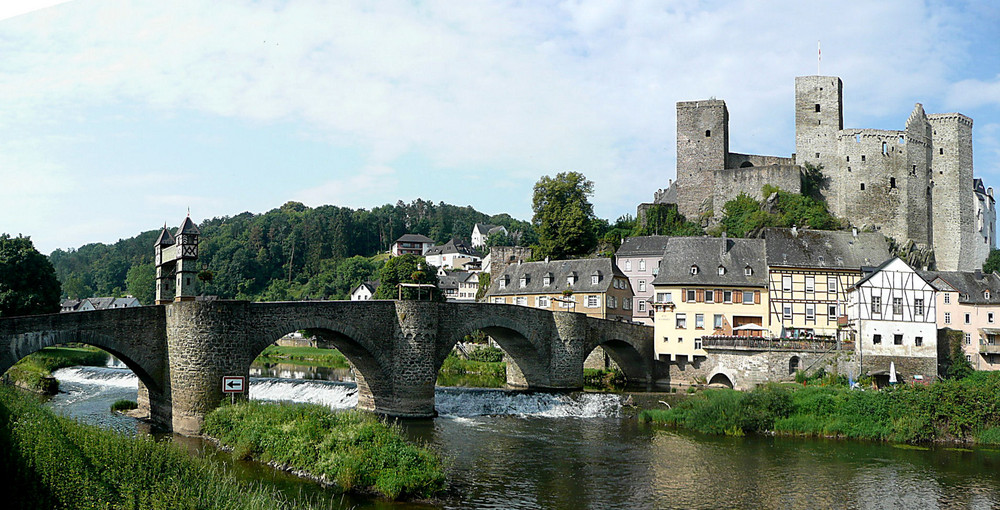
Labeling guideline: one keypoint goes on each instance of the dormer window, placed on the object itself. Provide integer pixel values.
(547, 279)
(595, 278)
(694, 269)
(722, 270)
(986, 294)
(571, 278)
(748, 271)
(524, 280)
(503, 282)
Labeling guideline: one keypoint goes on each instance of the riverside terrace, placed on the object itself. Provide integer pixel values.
(180, 351)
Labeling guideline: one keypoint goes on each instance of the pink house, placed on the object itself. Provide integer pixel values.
(970, 302)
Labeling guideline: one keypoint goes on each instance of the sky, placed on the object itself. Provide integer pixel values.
(118, 116)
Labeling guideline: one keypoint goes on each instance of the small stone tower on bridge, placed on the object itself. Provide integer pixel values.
(176, 263)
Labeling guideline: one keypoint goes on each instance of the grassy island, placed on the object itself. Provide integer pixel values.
(354, 450)
(966, 410)
(55, 462)
(34, 372)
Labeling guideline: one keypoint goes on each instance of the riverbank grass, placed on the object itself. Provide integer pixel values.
(54, 462)
(354, 450)
(953, 410)
(34, 372)
(313, 356)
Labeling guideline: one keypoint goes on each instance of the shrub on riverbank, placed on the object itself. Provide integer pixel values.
(123, 405)
(34, 372)
(967, 410)
(54, 462)
(303, 356)
(606, 379)
(453, 365)
(355, 450)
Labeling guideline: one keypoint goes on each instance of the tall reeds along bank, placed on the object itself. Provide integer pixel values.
(966, 410)
(48, 461)
(354, 450)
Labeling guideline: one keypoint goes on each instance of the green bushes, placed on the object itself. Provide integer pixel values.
(967, 409)
(352, 449)
(607, 379)
(124, 405)
(58, 463)
(486, 354)
(303, 356)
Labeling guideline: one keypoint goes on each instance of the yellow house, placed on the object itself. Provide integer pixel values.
(595, 287)
(708, 287)
(809, 275)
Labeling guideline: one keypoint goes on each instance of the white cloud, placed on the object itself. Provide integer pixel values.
(357, 191)
(974, 93)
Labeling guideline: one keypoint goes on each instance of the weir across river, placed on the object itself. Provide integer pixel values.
(180, 351)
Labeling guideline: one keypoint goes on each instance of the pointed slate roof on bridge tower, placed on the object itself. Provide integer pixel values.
(188, 227)
(166, 238)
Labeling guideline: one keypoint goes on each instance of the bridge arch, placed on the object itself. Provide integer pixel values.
(723, 377)
(28, 343)
(373, 385)
(530, 367)
(628, 358)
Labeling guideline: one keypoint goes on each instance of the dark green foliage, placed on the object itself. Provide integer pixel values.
(28, 283)
(992, 263)
(491, 374)
(664, 220)
(967, 409)
(124, 405)
(407, 269)
(355, 450)
(484, 285)
(294, 243)
(487, 354)
(54, 462)
(958, 366)
(564, 217)
(813, 181)
(603, 379)
(744, 216)
(140, 281)
(34, 371)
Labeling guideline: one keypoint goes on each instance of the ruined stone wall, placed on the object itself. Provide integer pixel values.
(702, 146)
(730, 183)
(746, 369)
(954, 229)
(873, 176)
(736, 160)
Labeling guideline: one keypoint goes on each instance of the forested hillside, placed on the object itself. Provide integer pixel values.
(293, 252)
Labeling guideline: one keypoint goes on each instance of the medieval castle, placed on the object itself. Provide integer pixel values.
(911, 185)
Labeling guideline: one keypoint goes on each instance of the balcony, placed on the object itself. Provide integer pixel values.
(989, 348)
(756, 343)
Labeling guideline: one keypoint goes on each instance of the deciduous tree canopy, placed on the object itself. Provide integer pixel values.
(564, 217)
(28, 283)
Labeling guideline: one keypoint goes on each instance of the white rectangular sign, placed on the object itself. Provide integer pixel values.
(234, 384)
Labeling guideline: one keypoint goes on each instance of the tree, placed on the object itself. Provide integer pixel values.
(28, 283)
(484, 285)
(664, 220)
(959, 367)
(992, 263)
(407, 269)
(141, 283)
(564, 217)
(813, 181)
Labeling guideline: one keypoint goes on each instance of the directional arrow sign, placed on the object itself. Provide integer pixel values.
(234, 384)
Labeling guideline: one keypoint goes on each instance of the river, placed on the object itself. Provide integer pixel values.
(533, 450)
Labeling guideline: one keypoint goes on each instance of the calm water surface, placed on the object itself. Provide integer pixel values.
(515, 450)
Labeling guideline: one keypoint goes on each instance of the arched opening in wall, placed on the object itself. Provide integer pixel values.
(746, 164)
(476, 361)
(316, 365)
(794, 364)
(613, 365)
(86, 380)
(721, 380)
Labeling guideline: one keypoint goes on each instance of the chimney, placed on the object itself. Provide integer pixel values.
(546, 260)
(854, 231)
(989, 191)
(795, 231)
(725, 245)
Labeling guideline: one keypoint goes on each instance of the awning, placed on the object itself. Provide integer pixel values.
(990, 331)
(750, 327)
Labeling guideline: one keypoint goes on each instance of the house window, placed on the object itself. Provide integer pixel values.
(810, 283)
(786, 312)
(709, 296)
(876, 305)
(986, 294)
(885, 149)
(708, 133)
(862, 186)
(498, 300)
(547, 280)
(817, 107)
(699, 321)
(831, 284)
(722, 270)
(947, 317)
(642, 285)
(627, 304)
(697, 343)
(810, 312)
(862, 157)
(831, 312)
(918, 341)
(592, 302)
(612, 302)
(897, 339)
(748, 271)
(628, 265)
(543, 301)
(690, 295)
(642, 305)
(968, 318)
(892, 182)
(642, 265)
(947, 298)
(571, 279)
(694, 269)
(521, 300)
(503, 283)
(524, 281)
(594, 279)
(717, 321)
(897, 306)
(663, 297)
(747, 297)
(918, 306)
(989, 317)
(968, 339)
(876, 339)
(681, 321)
(727, 296)
(786, 283)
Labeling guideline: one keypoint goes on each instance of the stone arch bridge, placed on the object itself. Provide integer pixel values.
(180, 351)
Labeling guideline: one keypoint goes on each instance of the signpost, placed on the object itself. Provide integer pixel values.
(233, 384)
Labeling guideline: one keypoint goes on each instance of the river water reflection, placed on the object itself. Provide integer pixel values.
(516, 450)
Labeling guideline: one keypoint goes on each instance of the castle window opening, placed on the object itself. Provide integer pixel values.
(857, 138)
(848, 159)
(817, 107)
(862, 157)
(892, 182)
(708, 133)
(817, 154)
(902, 140)
(746, 164)
(885, 149)
(848, 169)
(941, 150)
(862, 186)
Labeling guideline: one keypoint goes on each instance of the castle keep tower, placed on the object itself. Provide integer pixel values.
(819, 117)
(176, 263)
(702, 146)
(954, 222)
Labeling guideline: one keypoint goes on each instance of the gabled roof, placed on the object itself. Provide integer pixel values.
(452, 280)
(414, 238)
(642, 245)
(370, 285)
(165, 238)
(871, 274)
(188, 228)
(824, 248)
(453, 246)
(486, 228)
(560, 270)
(707, 254)
(969, 285)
